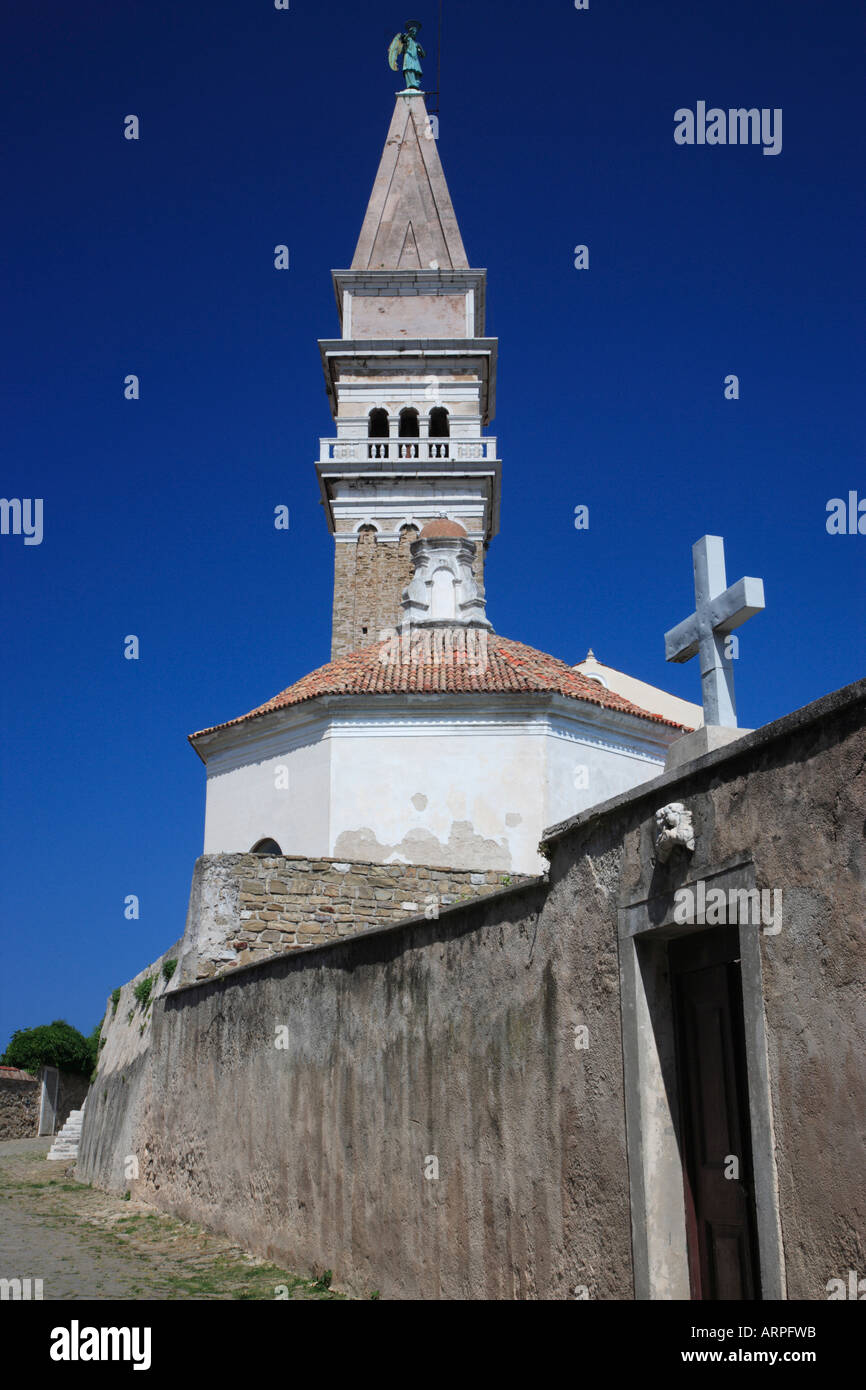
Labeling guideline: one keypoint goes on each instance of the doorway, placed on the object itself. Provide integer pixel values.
(715, 1127)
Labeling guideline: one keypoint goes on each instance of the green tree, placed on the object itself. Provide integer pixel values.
(55, 1044)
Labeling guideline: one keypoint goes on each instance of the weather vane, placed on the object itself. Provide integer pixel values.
(405, 43)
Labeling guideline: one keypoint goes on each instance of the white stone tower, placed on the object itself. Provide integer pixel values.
(411, 383)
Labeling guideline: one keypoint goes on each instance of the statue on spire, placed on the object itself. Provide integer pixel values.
(405, 44)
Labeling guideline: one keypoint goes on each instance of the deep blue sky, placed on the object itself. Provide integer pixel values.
(156, 257)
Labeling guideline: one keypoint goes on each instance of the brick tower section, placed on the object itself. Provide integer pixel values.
(369, 578)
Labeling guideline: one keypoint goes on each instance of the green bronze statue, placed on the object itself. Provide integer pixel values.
(412, 53)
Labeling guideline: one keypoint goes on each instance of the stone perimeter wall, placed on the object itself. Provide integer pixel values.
(246, 907)
(21, 1102)
(19, 1105)
(296, 1104)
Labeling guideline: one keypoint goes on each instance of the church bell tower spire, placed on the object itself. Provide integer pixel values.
(411, 384)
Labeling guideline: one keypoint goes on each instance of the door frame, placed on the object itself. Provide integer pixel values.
(652, 1103)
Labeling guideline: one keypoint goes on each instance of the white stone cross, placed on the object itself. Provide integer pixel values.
(718, 610)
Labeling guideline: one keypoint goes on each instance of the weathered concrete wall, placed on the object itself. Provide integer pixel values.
(245, 907)
(451, 1039)
(295, 1103)
(790, 798)
(115, 1103)
(19, 1103)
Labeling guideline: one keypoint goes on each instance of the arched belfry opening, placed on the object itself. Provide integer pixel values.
(409, 430)
(377, 423)
(439, 432)
(377, 433)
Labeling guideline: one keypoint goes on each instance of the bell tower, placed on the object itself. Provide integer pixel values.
(411, 384)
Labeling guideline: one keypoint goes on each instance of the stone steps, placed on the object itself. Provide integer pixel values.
(66, 1142)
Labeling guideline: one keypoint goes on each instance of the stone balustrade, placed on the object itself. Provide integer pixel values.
(397, 450)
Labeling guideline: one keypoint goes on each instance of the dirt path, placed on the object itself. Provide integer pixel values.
(85, 1244)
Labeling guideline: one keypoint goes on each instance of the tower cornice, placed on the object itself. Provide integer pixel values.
(391, 353)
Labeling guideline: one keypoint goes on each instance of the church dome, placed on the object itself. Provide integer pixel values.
(442, 527)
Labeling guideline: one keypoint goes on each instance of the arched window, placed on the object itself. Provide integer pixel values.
(439, 423)
(377, 424)
(266, 847)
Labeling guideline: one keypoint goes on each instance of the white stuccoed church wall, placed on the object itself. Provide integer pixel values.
(587, 764)
(468, 789)
(250, 799)
(465, 794)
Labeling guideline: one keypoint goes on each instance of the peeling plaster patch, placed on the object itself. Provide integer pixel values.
(419, 801)
(359, 844)
(463, 840)
(463, 849)
(512, 818)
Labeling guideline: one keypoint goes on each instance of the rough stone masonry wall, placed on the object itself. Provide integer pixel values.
(298, 1104)
(21, 1101)
(19, 1104)
(245, 907)
(369, 579)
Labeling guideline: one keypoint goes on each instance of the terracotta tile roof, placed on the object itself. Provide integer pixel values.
(508, 668)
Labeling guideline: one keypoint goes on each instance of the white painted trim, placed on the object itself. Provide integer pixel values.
(399, 714)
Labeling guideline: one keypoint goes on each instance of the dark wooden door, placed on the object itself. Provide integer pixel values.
(714, 1111)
